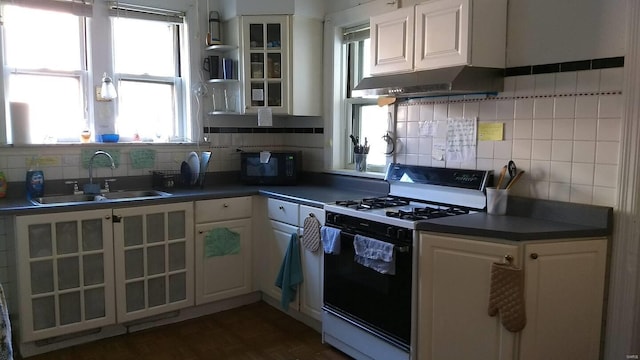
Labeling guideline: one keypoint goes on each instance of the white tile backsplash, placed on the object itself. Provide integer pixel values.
(563, 129)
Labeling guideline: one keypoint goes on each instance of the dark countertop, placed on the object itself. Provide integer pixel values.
(530, 219)
(526, 218)
(317, 192)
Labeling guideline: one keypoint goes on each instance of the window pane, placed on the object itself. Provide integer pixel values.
(37, 39)
(373, 126)
(146, 109)
(56, 111)
(144, 47)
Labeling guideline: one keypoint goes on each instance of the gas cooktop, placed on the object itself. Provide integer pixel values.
(419, 193)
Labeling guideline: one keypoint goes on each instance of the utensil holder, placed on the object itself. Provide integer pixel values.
(497, 201)
(360, 162)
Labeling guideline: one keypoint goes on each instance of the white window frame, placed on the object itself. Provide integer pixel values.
(337, 109)
(101, 116)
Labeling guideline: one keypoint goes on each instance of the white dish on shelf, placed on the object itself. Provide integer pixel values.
(194, 165)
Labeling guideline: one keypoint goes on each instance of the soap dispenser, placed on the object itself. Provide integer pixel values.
(34, 181)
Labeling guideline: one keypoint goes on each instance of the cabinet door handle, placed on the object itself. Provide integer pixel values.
(534, 256)
(508, 259)
(225, 205)
(200, 232)
(107, 217)
(281, 207)
(117, 218)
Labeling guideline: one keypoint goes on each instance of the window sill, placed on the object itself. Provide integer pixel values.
(368, 174)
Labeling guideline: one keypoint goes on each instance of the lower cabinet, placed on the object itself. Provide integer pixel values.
(223, 262)
(153, 247)
(563, 290)
(286, 218)
(65, 273)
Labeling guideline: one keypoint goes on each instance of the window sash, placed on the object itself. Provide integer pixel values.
(74, 7)
(131, 11)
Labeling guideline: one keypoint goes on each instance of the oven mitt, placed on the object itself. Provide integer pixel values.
(311, 235)
(507, 296)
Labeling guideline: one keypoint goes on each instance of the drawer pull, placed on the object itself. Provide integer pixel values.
(225, 205)
(281, 207)
(508, 259)
(534, 256)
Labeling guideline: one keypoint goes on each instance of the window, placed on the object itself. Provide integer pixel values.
(146, 54)
(366, 121)
(55, 57)
(49, 76)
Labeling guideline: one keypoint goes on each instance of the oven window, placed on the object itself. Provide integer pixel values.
(381, 302)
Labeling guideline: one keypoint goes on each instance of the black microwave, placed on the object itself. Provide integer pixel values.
(270, 168)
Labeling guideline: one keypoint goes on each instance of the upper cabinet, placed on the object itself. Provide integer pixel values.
(271, 77)
(439, 33)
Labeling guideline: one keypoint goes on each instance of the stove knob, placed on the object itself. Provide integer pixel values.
(390, 231)
(402, 233)
(336, 218)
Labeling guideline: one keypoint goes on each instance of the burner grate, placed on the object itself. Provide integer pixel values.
(424, 213)
(374, 202)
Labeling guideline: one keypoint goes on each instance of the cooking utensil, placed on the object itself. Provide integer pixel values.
(515, 179)
(502, 173)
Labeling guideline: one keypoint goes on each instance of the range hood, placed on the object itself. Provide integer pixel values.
(456, 80)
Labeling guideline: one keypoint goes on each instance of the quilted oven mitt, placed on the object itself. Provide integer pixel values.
(507, 296)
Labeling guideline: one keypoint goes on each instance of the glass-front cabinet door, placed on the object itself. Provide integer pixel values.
(154, 259)
(265, 44)
(65, 273)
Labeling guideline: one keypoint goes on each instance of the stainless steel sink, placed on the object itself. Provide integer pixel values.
(106, 197)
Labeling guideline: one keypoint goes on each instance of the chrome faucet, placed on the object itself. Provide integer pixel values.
(90, 188)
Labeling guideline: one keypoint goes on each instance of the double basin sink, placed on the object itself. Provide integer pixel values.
(105, 197)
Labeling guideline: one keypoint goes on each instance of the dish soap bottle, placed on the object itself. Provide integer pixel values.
(35, 182)
(3, 185)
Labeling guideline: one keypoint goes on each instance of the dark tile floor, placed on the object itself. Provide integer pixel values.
(255, 331)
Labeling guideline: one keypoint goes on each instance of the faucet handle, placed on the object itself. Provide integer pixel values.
(76, 189)
(106, 184)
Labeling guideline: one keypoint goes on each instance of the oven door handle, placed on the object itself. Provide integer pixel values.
(397, 248)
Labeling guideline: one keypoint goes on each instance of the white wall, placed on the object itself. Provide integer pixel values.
(550, 31)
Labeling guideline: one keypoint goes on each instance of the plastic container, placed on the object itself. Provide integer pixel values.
(109, 138)
(35, 184)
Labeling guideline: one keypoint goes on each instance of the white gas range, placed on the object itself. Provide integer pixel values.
(367, 314)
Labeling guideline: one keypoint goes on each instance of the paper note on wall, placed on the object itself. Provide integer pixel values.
(491, 131)
(461, 139)
(265, 117)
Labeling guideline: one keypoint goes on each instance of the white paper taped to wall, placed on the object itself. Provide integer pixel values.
(265, 117)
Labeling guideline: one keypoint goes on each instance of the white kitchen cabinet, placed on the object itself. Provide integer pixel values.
(153, 251)
(271, 77)
(287, 218)
(564, 291)
(65, 273)
(440, 33)
(312, 268)
(392, 41)
(453, 298)
(221, 276)
(564, 285)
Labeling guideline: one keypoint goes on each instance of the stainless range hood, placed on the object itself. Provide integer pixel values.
(457, 80)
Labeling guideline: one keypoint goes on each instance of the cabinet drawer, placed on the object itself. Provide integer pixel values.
(223, 209)
(283, 211)
(306, 211)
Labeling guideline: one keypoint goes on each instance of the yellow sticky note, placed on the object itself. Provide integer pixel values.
(492, 131)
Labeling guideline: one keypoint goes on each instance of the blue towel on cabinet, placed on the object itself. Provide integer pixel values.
(290, 274)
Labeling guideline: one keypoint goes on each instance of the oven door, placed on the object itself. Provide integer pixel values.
(379, 302)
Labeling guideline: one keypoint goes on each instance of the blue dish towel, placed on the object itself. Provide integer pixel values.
(330, 240)
(375, 254)
(290, 274)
